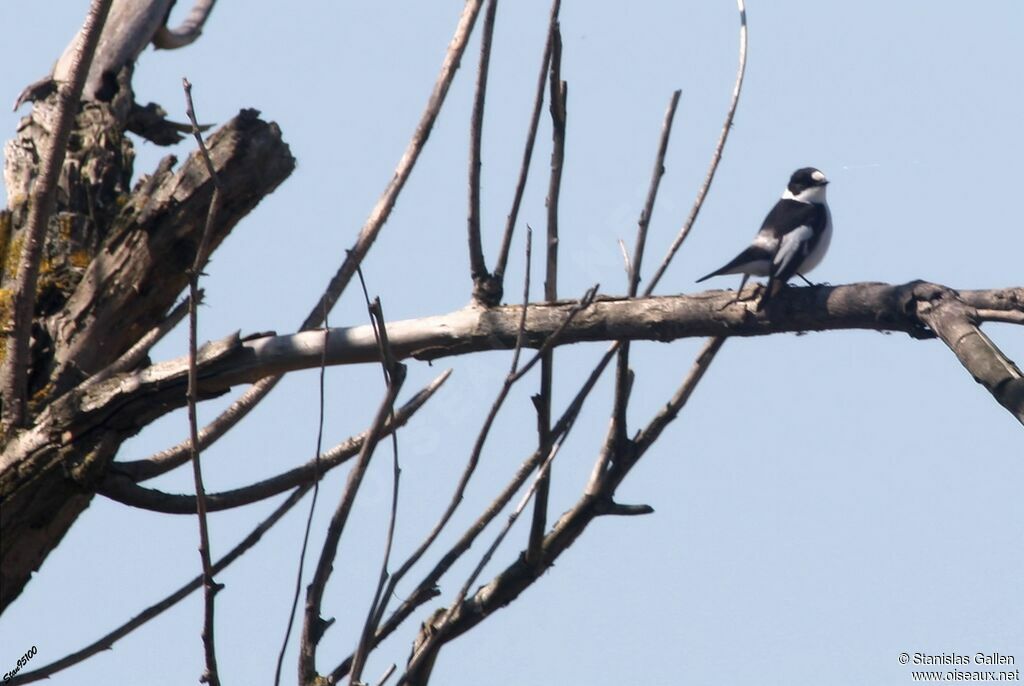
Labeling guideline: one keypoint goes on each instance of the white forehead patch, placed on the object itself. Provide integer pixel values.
(817, 176)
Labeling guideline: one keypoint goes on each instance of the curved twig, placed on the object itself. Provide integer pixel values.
(531, 137)
(187, 31)
(123, 489)
(715, 158)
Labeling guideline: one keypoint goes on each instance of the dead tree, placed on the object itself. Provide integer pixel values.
(93, 266)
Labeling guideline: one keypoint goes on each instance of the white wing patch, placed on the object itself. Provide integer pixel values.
(793, 247)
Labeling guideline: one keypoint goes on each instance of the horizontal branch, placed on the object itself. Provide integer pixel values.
(131, 400)
(73, 440)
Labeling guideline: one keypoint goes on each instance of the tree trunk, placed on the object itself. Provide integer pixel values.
(114, 262)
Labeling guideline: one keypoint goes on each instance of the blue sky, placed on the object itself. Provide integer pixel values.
(824, 503)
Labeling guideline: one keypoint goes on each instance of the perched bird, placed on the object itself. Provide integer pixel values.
(792, 239)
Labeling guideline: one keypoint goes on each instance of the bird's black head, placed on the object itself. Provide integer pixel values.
(806, 178)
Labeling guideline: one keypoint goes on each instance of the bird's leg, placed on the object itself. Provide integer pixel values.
(739, 293)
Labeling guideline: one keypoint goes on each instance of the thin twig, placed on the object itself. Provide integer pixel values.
(380, 598)
(122, 489)
(442, 630)
(379, 215)
(531, 137)
(387, 675)
(382, 210)
(478, 445)
(509, 583)
(210, 587)
(424, 650)
(623, 375)
(513, 376)
(170, 458)
(646, 438)
(43, 200)
(715, 158)
(559, 93)
(317, 473)
(482, 292)
(425, 590)
(652, 195)
(107, 641)
(314, 625)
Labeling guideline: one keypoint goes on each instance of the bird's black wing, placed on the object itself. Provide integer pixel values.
(788, 215)
(797, 227)
(798, 230)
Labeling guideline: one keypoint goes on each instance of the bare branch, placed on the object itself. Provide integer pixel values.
(478, 445)
(314, 625)
(644, 222)
(646, 438)
(954, 322)
(354, 257)
(107, 641)
(715, 158)
(531, 136)
(542, 401)
(14, 374)
(463, 614)
(868, 306)
(483, 291)
(210, 587)
(382, 210)
(513, 376)
(426, 650)
(123, 489)
(175, 456)
(317, 475)
(426, 589)
(623, 374)
(188, 31)
(378, 603)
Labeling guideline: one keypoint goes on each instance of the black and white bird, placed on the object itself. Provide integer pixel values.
(793, 238)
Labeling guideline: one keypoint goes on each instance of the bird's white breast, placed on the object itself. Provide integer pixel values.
(814, 259)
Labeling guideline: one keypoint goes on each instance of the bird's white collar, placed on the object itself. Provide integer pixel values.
(814, 194)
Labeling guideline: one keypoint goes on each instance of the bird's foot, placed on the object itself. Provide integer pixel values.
(741, 298)
(811, 283)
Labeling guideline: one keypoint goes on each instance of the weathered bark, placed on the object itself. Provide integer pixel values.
(126, 290)
(114, 263)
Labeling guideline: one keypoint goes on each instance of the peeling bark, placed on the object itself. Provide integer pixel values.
(114, 262)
